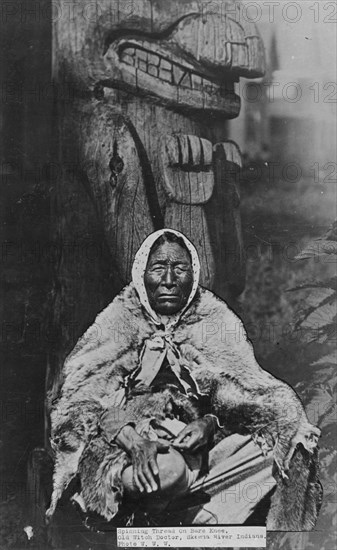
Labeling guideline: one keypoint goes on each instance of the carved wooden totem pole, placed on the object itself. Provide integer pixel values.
(145, 91)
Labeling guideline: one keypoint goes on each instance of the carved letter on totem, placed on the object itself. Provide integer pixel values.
(154, 85)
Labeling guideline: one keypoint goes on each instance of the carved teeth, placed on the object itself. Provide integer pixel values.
(166, 65)
(141, 54)
(153, 59)
(186, 81)
(165, 75)
(128, 59)
(142, 65)
(128, 56)
(165, 70)
(196, 82)
(152, 70)
(129, 51)
(178, 74)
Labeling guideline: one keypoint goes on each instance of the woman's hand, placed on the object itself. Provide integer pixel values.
(196, 434)
(143, 453)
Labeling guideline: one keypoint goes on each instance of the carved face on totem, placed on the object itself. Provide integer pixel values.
(184, 54)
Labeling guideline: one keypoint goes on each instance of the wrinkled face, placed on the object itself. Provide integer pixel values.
(168, 278)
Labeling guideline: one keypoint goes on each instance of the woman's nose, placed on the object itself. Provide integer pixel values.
(169, 277)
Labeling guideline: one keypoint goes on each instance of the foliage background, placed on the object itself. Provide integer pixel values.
(291, 316)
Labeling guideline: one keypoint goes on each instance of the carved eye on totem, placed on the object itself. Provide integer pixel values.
(116, 165)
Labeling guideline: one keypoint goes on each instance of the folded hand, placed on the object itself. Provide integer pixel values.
(143, 453)
(195, 435)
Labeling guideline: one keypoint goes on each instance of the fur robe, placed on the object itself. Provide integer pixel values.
(213, 346)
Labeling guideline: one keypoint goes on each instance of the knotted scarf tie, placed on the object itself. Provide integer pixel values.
(155, 349)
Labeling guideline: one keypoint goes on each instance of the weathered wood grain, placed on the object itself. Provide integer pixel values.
(189, 181)
(224, 223)
(214, 42)
(191, 221)
(110, 145)
(187, 168)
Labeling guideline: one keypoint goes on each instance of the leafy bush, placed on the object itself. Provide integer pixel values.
(317, 318)
(294, 336)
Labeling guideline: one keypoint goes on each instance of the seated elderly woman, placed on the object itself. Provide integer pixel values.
(162, 398)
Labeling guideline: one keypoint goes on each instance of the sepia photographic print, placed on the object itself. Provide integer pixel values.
(168, 274)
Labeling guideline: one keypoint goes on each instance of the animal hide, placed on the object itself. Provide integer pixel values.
(213, 346)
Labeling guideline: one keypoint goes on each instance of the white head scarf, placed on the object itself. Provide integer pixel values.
(161, 343)
(139, 267)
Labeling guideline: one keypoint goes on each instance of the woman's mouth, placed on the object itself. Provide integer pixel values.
(170, 297)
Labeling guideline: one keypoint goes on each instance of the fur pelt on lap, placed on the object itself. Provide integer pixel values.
(213, 346)
(101, 463)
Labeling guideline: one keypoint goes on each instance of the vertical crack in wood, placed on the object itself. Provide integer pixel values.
(202, 154)
(190, 153)
(180, 152)
(149, 181)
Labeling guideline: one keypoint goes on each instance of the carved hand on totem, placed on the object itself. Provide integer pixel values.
(195, 435)
(143, 453)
